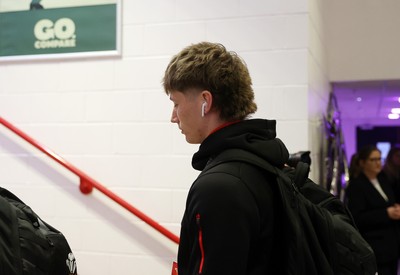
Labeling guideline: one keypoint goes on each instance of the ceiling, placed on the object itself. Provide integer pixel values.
(367, 99)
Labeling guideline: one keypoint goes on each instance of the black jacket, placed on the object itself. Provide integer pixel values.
(368, 208)
(229, 225)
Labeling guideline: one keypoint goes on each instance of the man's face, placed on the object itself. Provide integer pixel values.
(187, 114)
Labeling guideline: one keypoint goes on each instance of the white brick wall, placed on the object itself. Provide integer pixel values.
(318, 85)
(110, 118)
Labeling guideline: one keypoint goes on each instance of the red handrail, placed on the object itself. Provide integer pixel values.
(87, 183)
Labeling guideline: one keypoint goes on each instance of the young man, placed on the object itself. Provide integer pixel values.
(231, 221)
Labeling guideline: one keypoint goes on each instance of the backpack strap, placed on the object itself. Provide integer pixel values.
(232, 155)
(301, 174)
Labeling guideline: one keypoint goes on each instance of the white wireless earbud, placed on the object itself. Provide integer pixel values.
(203, 109)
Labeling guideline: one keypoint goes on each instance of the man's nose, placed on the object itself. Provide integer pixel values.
(174, 117)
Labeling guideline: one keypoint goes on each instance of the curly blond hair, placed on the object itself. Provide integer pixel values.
(209, 66)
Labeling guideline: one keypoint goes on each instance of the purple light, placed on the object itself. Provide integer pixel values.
(393, 116)
(395, 110)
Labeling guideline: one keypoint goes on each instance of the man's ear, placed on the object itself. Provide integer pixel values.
(207, 100)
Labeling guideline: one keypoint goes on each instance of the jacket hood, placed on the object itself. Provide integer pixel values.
(257, 136)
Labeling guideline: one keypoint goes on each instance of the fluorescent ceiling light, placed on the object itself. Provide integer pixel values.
(393, 116)
(395, 110)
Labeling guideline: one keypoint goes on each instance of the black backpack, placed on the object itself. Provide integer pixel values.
(28, 245)
(319, 236)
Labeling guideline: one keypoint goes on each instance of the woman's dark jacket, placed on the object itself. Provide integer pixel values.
(368, 208)
(230, 223)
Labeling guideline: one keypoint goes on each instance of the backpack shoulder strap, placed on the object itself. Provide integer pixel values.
(301, 174)
(298, 176)
(240, 155)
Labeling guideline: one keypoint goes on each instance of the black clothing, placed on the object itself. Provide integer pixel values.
(395, 182)
(229, 228)
(369, 210)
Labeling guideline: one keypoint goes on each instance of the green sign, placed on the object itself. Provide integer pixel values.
(55, 31)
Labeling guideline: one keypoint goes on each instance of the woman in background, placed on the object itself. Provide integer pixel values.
(371, 200)
(354, 168)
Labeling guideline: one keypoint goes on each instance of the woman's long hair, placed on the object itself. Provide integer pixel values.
(390, 168)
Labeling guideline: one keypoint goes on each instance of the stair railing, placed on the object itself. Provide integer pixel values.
(87, 183)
